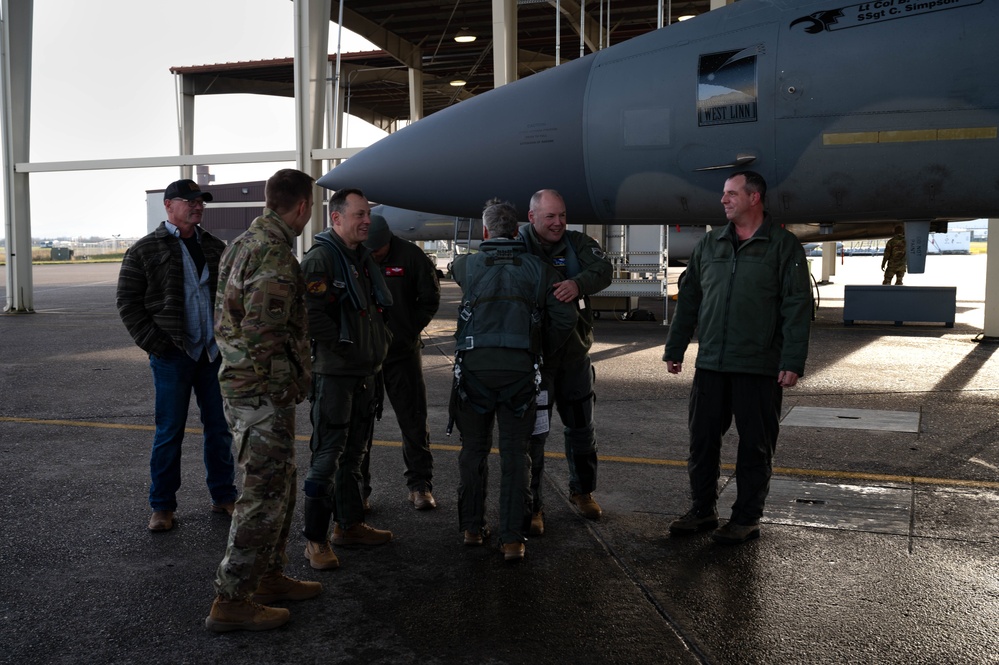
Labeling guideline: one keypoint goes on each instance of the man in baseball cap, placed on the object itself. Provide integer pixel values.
(187, 190)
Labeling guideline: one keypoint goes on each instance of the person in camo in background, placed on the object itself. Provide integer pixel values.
(166, 291)
(894, 257)
(262, 332)
(416, 294)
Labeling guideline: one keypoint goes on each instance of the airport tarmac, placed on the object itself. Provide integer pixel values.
(880, 543)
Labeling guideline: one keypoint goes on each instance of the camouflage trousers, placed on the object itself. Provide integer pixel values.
(265, 438)
(898, 272)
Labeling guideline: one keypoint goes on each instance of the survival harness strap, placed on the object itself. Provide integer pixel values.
(500, 257)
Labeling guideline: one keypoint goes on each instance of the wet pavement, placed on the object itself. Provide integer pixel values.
(880, 543)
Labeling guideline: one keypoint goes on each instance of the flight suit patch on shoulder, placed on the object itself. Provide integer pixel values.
(316, 287)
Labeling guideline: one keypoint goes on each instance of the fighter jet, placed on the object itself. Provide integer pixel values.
(423, 226)
(875, 112)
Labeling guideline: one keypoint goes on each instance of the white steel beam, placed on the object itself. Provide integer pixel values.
(504, 42)
(181, 160)
(312, 28)
(15, 70)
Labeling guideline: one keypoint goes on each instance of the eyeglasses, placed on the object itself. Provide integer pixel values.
(193, 203)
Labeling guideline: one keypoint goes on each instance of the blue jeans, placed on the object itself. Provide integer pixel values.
(175, 375)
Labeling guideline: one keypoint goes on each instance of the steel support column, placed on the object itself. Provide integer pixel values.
(312, 27)
(504, 42)
(15, 70)
(991, 331)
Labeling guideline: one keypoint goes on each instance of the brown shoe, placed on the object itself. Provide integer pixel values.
(278, 586)
(734, 534)
(321, 556)
(422, 500)
(537, 524)
(228, 615)
(161, 520)
(226, 508)
(587, 506)
(475, 539)
(513, 551)
(360, 534)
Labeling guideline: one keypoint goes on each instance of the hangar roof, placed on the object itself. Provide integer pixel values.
(421, 33)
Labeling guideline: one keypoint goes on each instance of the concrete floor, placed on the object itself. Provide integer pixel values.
(879, 545)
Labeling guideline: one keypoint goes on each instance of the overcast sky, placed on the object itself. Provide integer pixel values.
(102, 89)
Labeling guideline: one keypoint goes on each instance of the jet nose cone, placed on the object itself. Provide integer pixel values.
(507, 143)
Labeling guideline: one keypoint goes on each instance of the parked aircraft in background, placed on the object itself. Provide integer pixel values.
(869, 114)
(427, 226)
(467, 232)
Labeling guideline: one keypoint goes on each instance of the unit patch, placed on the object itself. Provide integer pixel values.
(395, 271)
(275, 308)
(316, 287)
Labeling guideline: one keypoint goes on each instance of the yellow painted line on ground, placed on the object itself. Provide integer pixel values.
(85, 423)
(646, 461)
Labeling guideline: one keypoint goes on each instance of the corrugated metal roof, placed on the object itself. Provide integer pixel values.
(376, 82)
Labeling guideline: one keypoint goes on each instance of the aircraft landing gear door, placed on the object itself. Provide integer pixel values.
(733, 119)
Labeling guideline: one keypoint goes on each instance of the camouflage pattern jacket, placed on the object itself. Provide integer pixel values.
(895, 254)
(260, 320)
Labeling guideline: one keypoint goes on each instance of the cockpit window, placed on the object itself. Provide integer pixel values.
(727, 90)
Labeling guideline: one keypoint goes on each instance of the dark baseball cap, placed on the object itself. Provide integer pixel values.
(379, 233)
(185, 189)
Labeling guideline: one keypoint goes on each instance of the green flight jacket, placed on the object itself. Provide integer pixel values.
(508, 304)
(345, 297)
(578, 257)
(750, 302)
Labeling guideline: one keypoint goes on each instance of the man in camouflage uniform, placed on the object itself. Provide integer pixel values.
(261, 327)
(894, 257)
(568, 376)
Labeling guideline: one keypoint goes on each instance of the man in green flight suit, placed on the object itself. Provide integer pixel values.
(509, 318)
(568, 376)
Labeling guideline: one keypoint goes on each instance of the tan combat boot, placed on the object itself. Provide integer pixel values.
(278, 586)
(360, 534)
(243, 614)
(321, 556)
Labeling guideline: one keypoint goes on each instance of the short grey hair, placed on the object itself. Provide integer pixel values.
(540, 194)
(500, 219)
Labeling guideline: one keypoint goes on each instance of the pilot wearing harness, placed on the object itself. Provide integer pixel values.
(508, 320)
